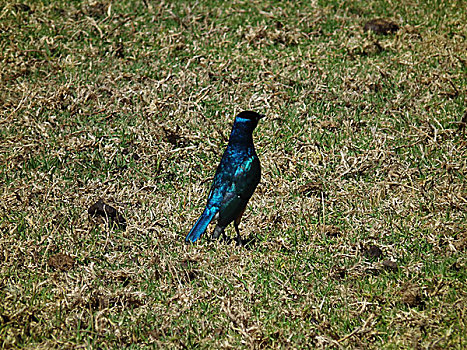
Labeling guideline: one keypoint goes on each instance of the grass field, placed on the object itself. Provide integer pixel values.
(358, 228)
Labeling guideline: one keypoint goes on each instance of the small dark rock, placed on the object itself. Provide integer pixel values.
(381, 26)
(61, 262)
(373, 252)
(108, 212)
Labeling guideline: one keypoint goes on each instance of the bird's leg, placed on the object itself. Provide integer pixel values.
(238, 239)
(217, 232)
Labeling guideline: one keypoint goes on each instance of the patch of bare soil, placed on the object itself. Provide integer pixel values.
(61, 262)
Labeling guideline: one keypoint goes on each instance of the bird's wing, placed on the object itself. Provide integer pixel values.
(236, 172)
(246, 177)
(243, 181)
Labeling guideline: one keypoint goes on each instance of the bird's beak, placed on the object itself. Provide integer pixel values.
(261, 116)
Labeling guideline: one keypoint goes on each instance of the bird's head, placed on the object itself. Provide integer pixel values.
(248, 118)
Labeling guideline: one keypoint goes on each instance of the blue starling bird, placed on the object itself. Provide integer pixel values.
(236, 178)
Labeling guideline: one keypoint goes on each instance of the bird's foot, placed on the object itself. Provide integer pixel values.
(247, 242)
(238, 240)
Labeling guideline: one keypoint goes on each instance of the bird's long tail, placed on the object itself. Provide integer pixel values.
(201, 224)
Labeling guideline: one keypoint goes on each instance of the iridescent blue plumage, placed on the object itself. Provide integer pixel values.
(236, 178)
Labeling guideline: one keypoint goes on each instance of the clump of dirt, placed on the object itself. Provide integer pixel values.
(61, 262)
(381, 26)
(373, 252)
(107, 212)
(411, 295)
